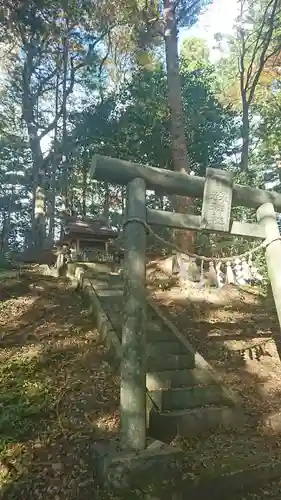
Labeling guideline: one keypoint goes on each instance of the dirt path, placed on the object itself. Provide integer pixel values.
(57, 392)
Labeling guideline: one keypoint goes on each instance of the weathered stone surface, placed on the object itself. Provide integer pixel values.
(272, 422)
(164, 348)
(266, 216)
(200, 362)
(156, 332)
(178, 378)
(71, 268)
(166, 426)
(187, 397)
(217, 200)
(103, 323)
(193, 223)
(48, 271)
(171, 362)
(119, 172)
(127, 470)
(249, 477)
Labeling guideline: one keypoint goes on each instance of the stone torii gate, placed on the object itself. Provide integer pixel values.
(219, 194)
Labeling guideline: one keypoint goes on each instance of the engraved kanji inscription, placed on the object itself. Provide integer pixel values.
(217, 200)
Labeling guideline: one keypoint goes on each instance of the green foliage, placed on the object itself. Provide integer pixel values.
(137, 126)
(188, 11)
(195, 53)
(247, 77)
(117, 107)
(211, 128)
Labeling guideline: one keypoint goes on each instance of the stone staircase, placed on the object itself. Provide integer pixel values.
(187, 398)
(184, 395)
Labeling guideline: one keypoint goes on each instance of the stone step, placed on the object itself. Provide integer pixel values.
(106, 292)
(187, 397)
(171, 362)
(178, 378)
(257, 480)
(113, 304)
(167, 425)
(165, 348)
(156, 332)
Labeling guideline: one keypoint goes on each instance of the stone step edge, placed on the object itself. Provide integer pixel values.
(189, 411)
(165, 426)
(248, 479)
(200, 362)
(196, 377)
(184, 387)
(216, 399)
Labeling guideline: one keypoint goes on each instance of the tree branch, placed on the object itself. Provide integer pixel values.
(73, 71)
(101, 67)
(69, 90)
(241, 64)
(260, 42)
(44, 82)
(262, 59)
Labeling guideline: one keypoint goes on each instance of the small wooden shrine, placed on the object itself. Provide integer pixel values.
(90, 239)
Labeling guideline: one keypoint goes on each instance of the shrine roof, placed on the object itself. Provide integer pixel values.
(89, 228)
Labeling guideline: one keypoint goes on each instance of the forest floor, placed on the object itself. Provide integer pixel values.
(58, 393)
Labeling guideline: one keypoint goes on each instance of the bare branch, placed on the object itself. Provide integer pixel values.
(44, 82)
(241, 60)
(153, 23)
(73, 70)
(69, 91)
(104, 59)
(263, 57)
(58, 151)
(261, 41)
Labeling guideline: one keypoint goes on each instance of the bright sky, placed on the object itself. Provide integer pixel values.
(218, 18)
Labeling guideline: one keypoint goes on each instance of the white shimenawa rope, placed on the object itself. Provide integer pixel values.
(254, 250)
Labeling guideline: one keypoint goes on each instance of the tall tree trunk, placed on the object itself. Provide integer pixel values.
(38, 189)
(179, 148)
(3, 232)
(64, 111)
(6, 223)
(106, 203)
(55, 163)
(84, 185)
(6, 216)
(38, 174)
(160, 199)
(245, 135)
(123, 200)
